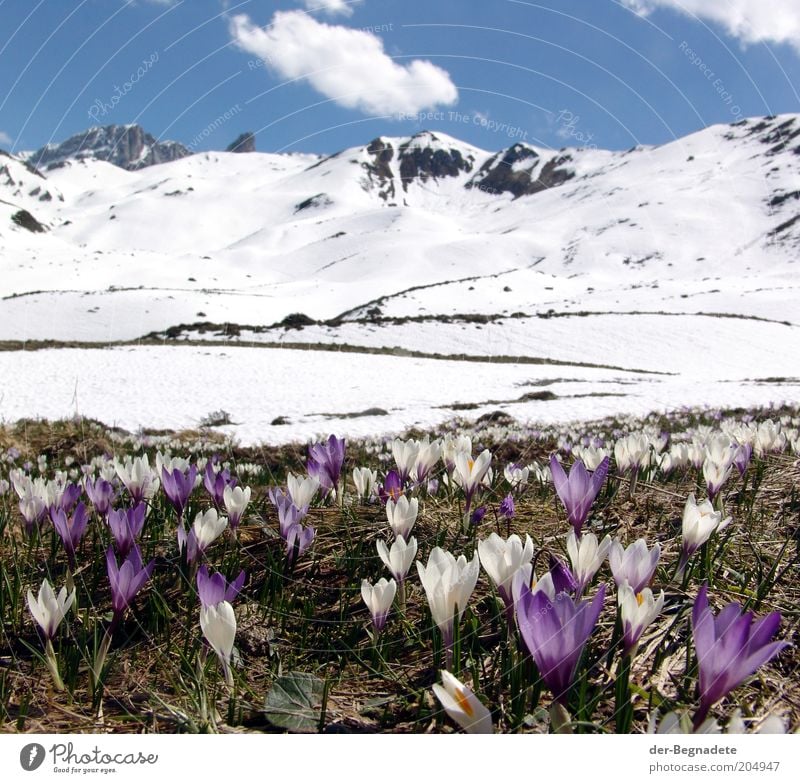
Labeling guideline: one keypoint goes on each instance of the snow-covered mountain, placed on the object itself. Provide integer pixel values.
(404, 227)
(126, 146)
(650, 270)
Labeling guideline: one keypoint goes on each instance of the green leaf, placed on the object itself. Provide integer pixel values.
(294, 702)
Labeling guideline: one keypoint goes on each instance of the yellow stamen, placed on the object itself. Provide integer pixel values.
(463, 702)
(639, 598)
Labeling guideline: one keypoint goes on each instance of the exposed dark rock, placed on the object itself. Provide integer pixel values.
(246, 142)
(320, 200)
(502, 173)
(24, 219)
(126, 146)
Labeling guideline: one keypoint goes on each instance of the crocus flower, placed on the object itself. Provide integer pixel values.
(49, 609)
(216, 481)
(507, 507)
(555, 633)
(634, 565)
(516, 475)
(501, 559)
(448, 585)
(298, 539)
(428, 455)
(215, 588)
(126, 580)
(208, 527)
(71, 529)
(578, 490)
(288, 514)
(68, 498)
(462, 705)
(476, 517)
(715, 475)
(236, 500)
(379, 598)
(138, 478)
(563, 579)
(586, 556)
(325, 461)
(468, 473)
(405, 456)
(33, 510)
(730, 647)
(402, 515)
(101, 493)
(637, 610)
(741, 458)
(392, 487)
(126, 526)
(218, 624)
(301, 490)
(399, 557)
(699, 523)
(178, 486)
(364, 480)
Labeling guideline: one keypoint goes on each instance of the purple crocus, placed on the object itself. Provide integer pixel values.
(288, 514)
(178, 486)
(71, 529)
(212, 589)
(392, 487)
(325, 461)
(216, 481)
(507, 507)
(101, 493)
(564, 580)
(126, 580)
(69, 497)
(741, 458)
(126, 526)
(730, 647)
(298, 539)
(555, 632)
(578, 490)
(477, 516)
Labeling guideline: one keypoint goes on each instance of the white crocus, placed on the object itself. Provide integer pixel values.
(699, 523)
(405, 455)
(462, 705)
(49, 609)
(452, 447)
(301, 490)
(637, 611)
(364, 480)
(468, 472)
(634, 565)
(236, 500)
(586, 556)
(448, 584)
(399, 557)
(137, 477)
(402, 515)
(428, 454)
(218, 623)
(502, 558)
(379, 599)
(208, 527)
(516, 475)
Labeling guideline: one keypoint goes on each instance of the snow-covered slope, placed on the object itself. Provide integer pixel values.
(429, 245)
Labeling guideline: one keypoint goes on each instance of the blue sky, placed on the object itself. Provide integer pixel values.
(321, 75)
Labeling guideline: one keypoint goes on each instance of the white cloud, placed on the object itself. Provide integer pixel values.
(346, 65)
(751, 21)
(5, 138)
(332, 7)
